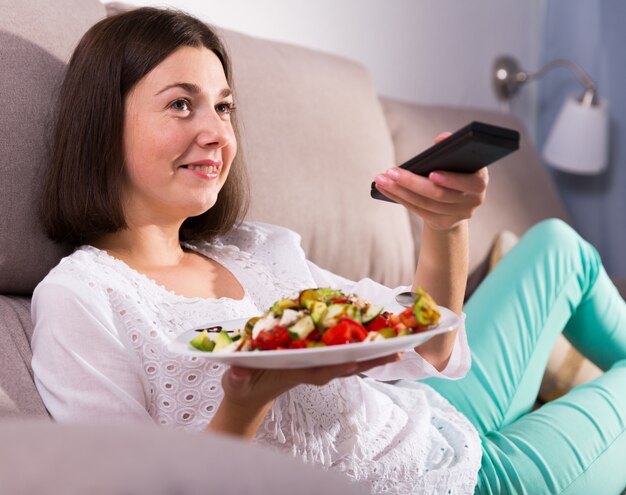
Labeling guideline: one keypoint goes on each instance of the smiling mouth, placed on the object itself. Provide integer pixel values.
(207, 169)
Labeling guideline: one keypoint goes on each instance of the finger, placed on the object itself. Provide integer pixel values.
(413, 188)
(435, 220)
(441, 186)
(373, 363)
(419, 205)
(319, 375)
(430, 198)
(238, 376)
(324, 374)
(475, 183)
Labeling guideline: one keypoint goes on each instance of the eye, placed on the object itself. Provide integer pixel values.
(180, 105)
(226, 108)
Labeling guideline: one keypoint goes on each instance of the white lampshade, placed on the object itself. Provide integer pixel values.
(579, 140)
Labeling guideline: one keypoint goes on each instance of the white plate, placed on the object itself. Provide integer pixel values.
(314, 356)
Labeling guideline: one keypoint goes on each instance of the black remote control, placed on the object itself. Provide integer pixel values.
(467, 150)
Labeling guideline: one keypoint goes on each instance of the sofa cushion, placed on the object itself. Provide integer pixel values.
(18, 395)
(520, 191)
(37, 38)
(314, 137)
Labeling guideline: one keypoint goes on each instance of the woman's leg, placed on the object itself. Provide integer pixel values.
(552, 279)
(573, 445)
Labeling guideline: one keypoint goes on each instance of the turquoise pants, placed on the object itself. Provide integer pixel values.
(552, 281)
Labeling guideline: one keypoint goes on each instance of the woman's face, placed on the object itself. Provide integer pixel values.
(179, 142)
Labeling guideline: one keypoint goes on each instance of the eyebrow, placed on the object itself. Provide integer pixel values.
(194, 89)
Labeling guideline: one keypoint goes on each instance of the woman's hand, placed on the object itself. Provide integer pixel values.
(445, 201)
(248, 393)
(442, 200)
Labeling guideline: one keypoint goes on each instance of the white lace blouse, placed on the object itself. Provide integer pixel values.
(100, 351)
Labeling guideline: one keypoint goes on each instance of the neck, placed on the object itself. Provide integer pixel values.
(147, 246)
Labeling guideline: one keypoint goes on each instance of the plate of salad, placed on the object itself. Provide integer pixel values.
(318, 327)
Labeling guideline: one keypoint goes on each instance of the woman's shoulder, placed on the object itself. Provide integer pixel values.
(81, 273)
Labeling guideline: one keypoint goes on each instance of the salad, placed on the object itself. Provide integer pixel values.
(320, 317)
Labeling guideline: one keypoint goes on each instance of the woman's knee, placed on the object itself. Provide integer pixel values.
(554, 231)
(557, 236)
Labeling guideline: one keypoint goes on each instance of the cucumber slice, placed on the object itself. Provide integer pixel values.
(302, 328)
(370, 313)
(318, 311)
(354, 313)
(333, 314)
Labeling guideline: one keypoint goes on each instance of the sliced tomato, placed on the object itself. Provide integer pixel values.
(344, 332)
(269, 340)
(337, 334)
(407, 317)
(314, 336)
(298, 344)
(377, 324)
(393, 319)
(357, 331)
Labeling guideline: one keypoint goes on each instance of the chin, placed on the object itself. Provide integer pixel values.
(198, 203)
(198, 210)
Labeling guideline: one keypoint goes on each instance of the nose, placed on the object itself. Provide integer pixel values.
(214, 131)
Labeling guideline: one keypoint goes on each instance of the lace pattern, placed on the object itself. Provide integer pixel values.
(399, 438)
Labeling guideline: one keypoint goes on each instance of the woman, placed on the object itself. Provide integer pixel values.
(144, 180)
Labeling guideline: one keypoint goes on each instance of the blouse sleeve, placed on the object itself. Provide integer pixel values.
(83, 369)
(411, 366)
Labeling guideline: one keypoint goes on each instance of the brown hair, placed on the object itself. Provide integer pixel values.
(83, 185)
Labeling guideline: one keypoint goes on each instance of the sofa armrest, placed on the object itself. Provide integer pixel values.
(18, 394)
(53, 458)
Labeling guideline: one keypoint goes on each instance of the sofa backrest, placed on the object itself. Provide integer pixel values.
(314, 136)
(36, 39)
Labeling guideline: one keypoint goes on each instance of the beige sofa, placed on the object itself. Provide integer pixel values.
(315, 133)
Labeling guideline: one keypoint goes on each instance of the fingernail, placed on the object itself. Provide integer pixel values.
(435, 176)
(393, 174)
(381, 180)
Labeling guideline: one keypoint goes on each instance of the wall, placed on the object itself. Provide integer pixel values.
(591, 32)
(417, 50)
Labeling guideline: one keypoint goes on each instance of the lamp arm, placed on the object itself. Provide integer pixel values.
(508, 77)
(589, 84)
